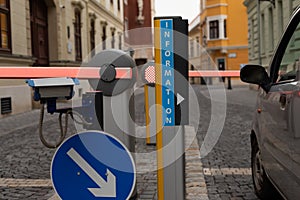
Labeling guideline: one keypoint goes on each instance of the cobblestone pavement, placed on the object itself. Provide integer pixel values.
(224, 174)
(24, 161)
(226, 168)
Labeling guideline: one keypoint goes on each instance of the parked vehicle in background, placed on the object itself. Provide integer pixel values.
(275, 135)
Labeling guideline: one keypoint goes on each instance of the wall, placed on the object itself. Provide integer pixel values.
(264, 34)
(60, 16)
(21, 99)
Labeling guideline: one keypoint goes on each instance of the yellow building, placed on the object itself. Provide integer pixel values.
(224, 34)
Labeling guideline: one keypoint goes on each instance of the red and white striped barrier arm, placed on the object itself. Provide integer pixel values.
(51, 72)
(211, 73)
(91, 72)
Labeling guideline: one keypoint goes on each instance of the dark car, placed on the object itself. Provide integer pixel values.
(275, 136)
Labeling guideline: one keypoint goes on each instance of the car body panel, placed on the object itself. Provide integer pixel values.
(276, 138)
(276, 122)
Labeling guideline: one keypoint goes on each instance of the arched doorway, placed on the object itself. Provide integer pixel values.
(39, 32)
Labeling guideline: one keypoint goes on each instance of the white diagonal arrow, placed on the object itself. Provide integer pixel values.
(179, 99)
(106, 188)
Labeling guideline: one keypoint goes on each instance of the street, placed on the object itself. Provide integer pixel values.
(202, 55)
(227, 167)
(25, 162)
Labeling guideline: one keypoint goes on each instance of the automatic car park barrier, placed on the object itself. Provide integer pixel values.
(126, 73)
(118, 96)
(113, 73)
(96, 71)
(117, 106)
(89, 72)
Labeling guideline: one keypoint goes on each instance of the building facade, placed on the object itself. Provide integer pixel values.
(223, 34)
(138, 23)
(53, 33)
(265, 32)
(194, 47)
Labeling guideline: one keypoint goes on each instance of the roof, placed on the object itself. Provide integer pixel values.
(194, 23)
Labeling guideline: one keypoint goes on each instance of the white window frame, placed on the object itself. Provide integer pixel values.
(220, 19)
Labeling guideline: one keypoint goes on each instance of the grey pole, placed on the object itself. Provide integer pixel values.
(150, 115)
(118, 98)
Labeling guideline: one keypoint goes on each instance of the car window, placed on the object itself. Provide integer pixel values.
(289, 66)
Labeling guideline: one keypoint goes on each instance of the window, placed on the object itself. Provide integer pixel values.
(271, 31)
(5, 39)
(225, 28)
(191, 48)
(252, 37)
(126, 26)
(77, 33)
(113, 38)
(263, 41)
(204, 37)
(103, 37)
(280, 17)
(214, 29)
(198, 46)
(120, 41)
(290, 63)
(92, 37)
(119, 5)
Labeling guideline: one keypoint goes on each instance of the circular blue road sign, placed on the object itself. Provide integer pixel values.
(93, 165)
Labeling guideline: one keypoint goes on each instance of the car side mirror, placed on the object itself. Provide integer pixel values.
(255, 74)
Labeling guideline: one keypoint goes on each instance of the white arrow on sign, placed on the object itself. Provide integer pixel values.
(179, 99)
(106, 188)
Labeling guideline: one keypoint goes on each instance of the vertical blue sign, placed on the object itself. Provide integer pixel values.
(167, 62)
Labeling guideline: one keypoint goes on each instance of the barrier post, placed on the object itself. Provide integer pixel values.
(95, 152)
(171, 90)
(150, 114)
(229, 83)
(118, 98)
(148, 78)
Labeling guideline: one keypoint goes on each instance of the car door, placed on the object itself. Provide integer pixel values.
(280, 138)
